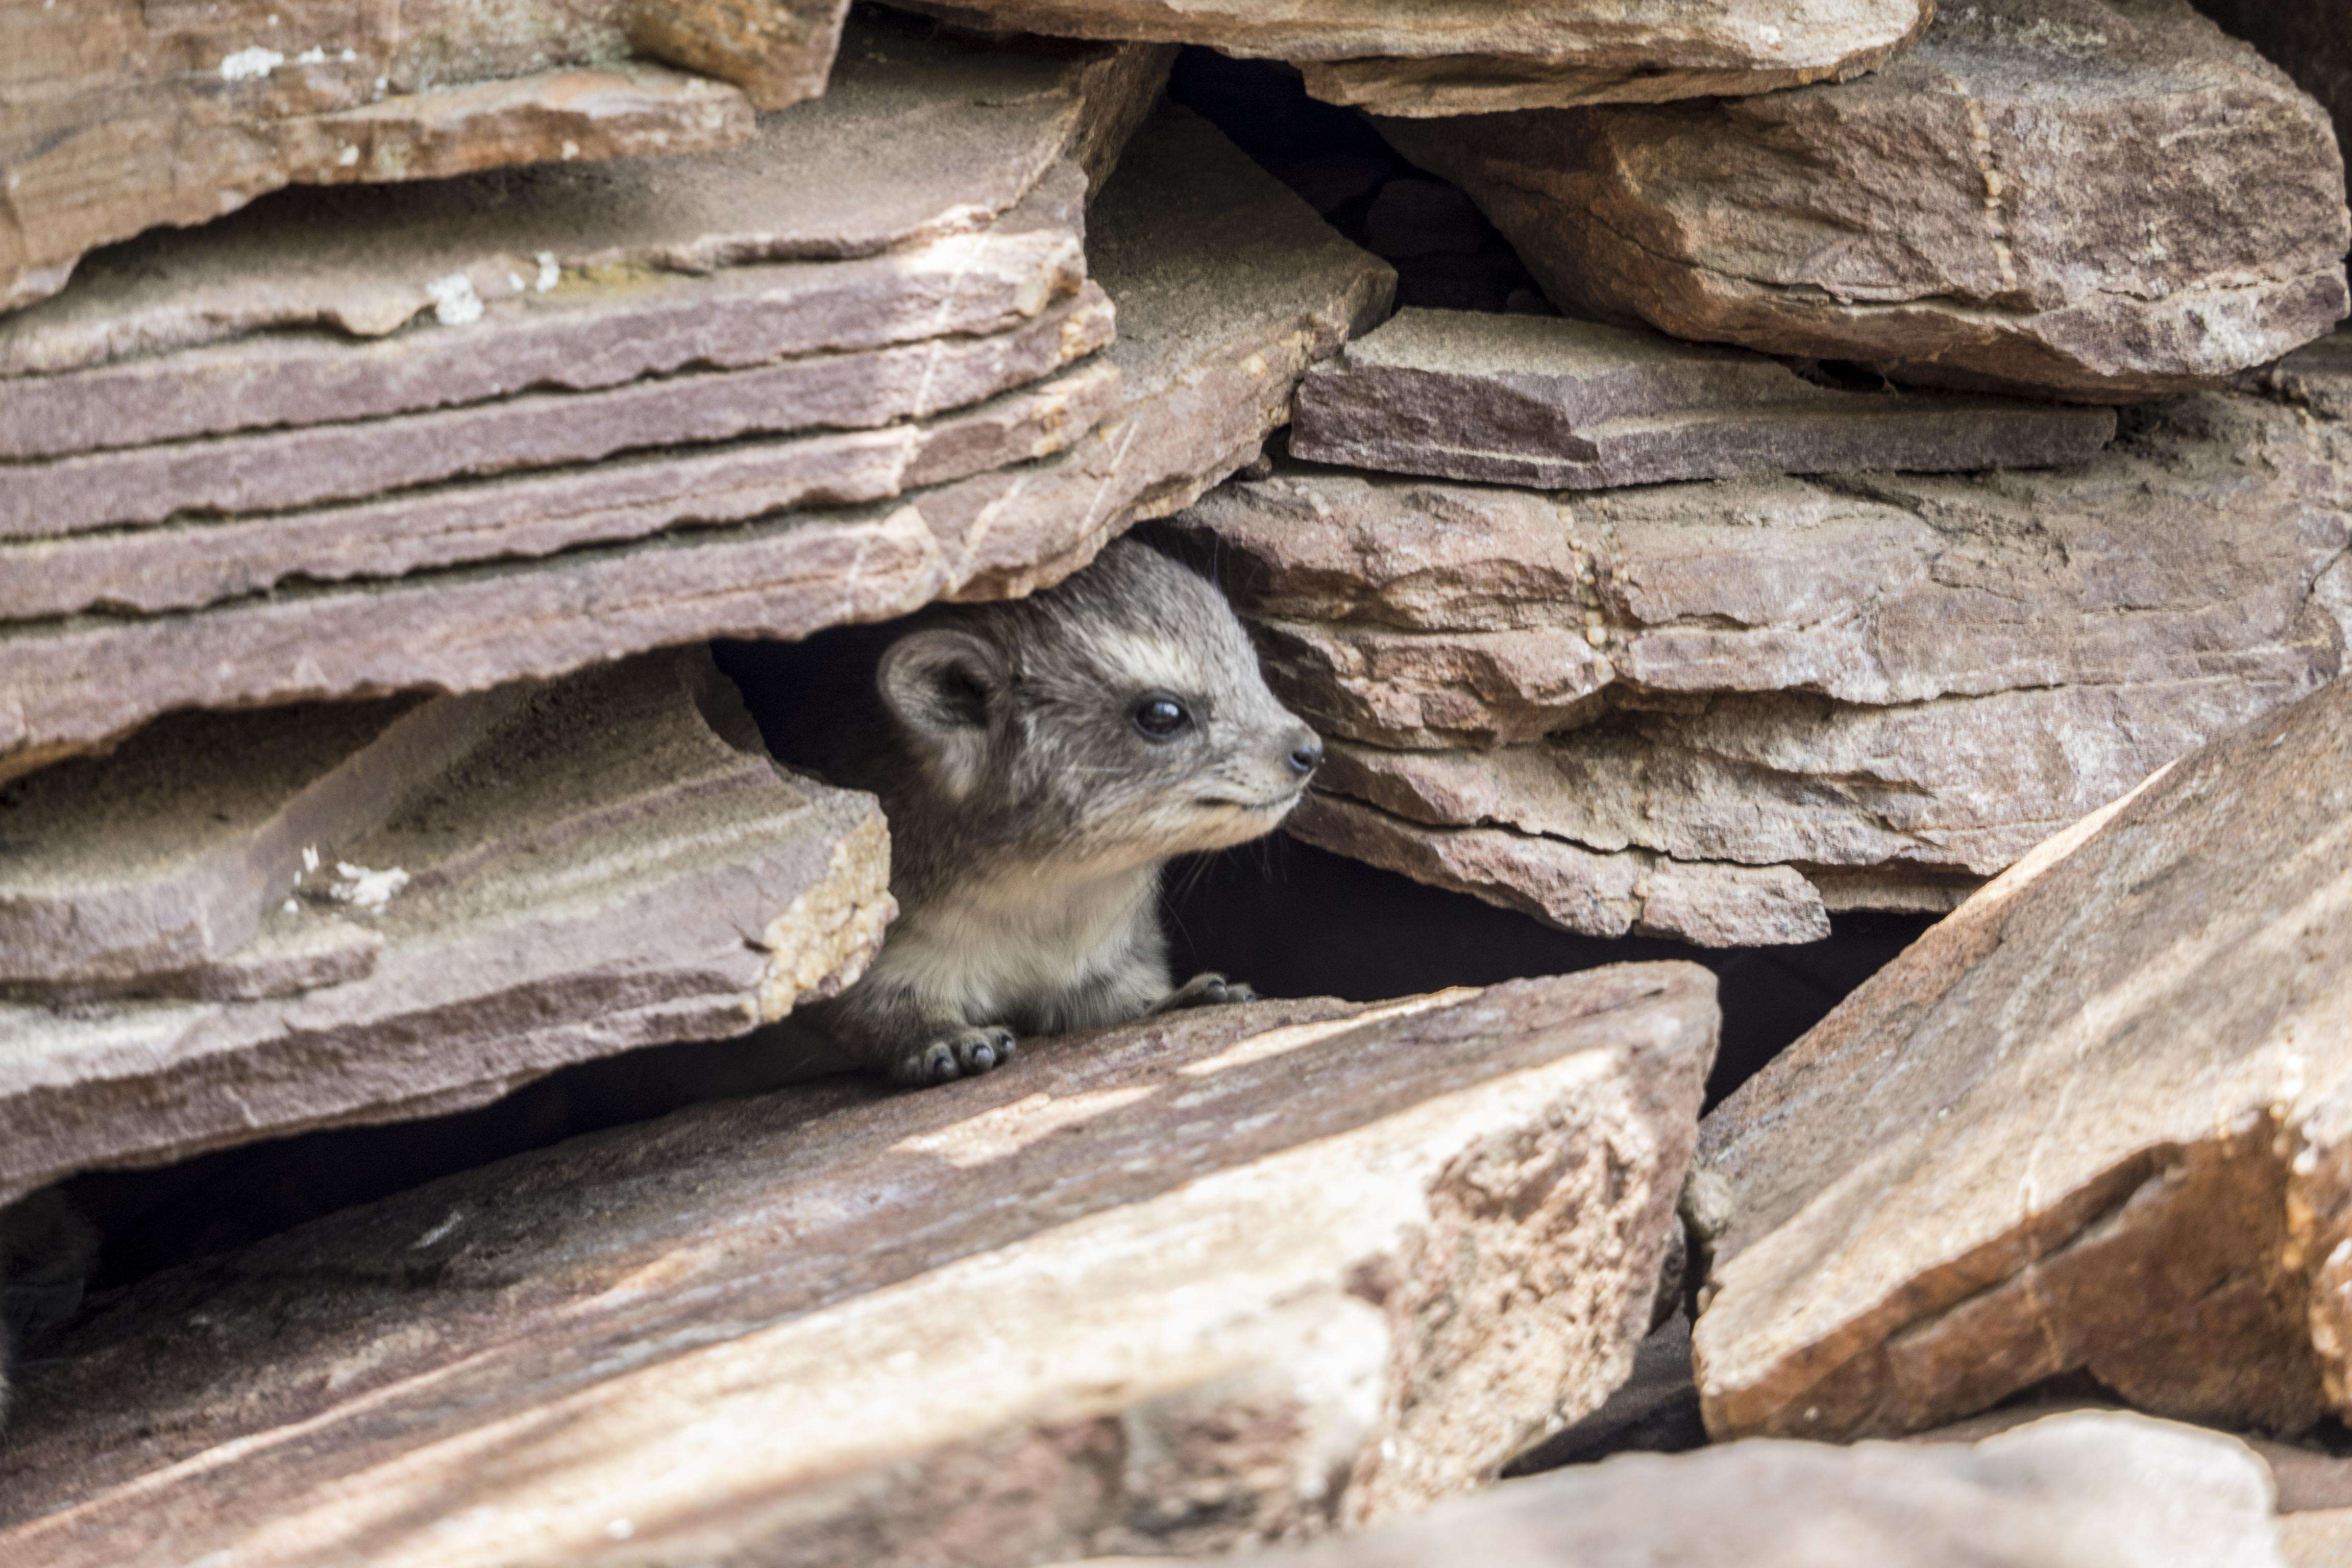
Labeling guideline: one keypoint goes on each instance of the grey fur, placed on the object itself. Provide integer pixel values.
(1030, 817)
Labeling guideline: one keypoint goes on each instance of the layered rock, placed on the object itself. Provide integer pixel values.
(2093, 1123)
(1721, 711)
(2084, 1491)
(117, 118)
(1218, 1277)
(2064, 196)
(239, 926)
(1226, 287)
(1570, 404)
(1473, 57)
(2311, 43)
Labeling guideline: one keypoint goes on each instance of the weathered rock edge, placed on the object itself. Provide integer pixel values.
(118, 119)
(1425, 59)
(1227, 285)
(1282, 1267)
(2094, 1121)
(2083, 1491)
(2112, 206)
(613, 861)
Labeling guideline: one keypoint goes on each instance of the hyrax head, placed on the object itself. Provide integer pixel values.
(1117, 719)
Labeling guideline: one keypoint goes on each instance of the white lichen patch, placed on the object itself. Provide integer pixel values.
(455, 304)
(550, 274)
(364, 888)
(313, 55)
(247, 64)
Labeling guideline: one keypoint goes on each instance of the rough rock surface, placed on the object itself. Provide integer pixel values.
(2094, 1121)
(1214, 1278)
(1895, 684)
(2102, 200)
(1470, 56)
(1226, 286)
(944, 137)
(2086, 1491)
(241, 926)
(115, 117)
(1568, 405)
(2311, 42)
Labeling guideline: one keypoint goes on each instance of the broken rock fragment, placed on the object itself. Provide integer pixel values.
(2063, 196)
(1461, 57)
(1566, 404)
(2092, 1123)
(2084, 1491)
(1214, 1278)
(1226, 288)
(1872, 690)
(245, 925)
(117, 118)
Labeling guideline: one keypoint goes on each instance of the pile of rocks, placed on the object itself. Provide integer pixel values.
(1892, 463)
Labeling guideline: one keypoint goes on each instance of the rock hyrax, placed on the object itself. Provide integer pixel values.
(1040, 761)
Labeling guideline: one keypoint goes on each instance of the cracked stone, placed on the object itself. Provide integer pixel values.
(1299, 1265)
(649, 876)
(2094, 1123)
(2120, 202)
(1464, 57)
(1893, 684)
(1227, 287)
(122, 117)
(1566, 404)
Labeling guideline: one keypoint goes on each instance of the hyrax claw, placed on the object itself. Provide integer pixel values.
(1208, 990)
(967, 1053)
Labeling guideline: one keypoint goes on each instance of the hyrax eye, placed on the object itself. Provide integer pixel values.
(1161, 716)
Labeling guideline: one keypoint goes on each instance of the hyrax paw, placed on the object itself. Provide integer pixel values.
(1208, 990)
(967, 1053)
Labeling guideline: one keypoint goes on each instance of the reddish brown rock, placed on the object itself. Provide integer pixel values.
(2093, 1124)
(403, 909)
(116, 118)
(1471, 56)
(1227, 287)
(1893, 684)
(2064, 196)
(2086, 1491)
(272, 471)
(1227, 1277)
(2311, 42)
(1568, 405)
(584, 331)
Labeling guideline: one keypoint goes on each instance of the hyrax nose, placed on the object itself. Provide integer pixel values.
(1306, 751)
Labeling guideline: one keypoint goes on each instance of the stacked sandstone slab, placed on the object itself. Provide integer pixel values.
(754, 398)
(2093, 201)
(1472, 56)
(2094, 1123)
(1219, 1278)
(241, 926)
(116, 118)
(1721, 711)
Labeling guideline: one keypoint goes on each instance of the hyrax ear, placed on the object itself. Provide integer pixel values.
(941, 685)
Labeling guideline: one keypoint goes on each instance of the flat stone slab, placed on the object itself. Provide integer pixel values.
(590, 329)
(123, 118)
(482, 889)
(2092, 1123)
(1226, 285)
(276, 470)
(1561, 404)
(1215, 1278)
(1893, 684)
(943, 135)
(2130, 204)
(1460, 57)
(2085, 1490)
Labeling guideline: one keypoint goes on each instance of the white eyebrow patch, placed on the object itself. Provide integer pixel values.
(1151, 661)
